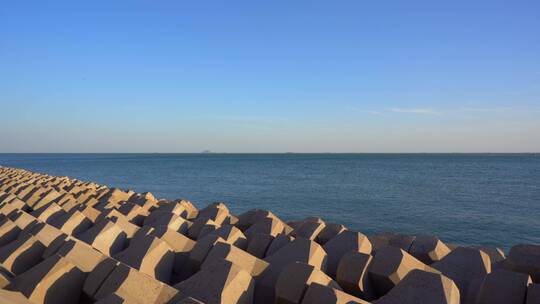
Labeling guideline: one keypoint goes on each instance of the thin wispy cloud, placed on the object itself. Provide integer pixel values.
(437, 112)
(251, 119)
(372, 112)
(491, 109)
(419, 111)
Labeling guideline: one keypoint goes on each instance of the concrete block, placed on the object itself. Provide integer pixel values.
(504, 287)
(467, 267)
(171, 220)
(343, 243)
(428, 249)
(317, 293)
(149, 255)
(294, 280)
(280, 241)
(299, 250)
(390, 265)
(422, 287)
(53, 281)
(526, 259)
(106, 237)
(130, 283)
(21, 254)
(329, 231)
(352, 275)
(223, 251)
(223, 283)
(259, 243)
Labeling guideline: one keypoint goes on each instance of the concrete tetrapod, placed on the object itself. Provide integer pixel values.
(343, 243)
(217, 212)
(182, 208)
(105, 236)
(171, 220)
(269, 225)
(422, 287)
(201, 225)
(525, 259)
(21, 254)
(390, 265)
(179, 243)
(352, 275)
(223, 251)
(299, 250)
(8, 232)
(329, 231)
(221, 283)
(309, 230)
(294, 280)
(317, 294)
(391, 239)
(279, 242)
(149, 255)
(259, 243)
(72, 223)
(467, 267)
(428, 249)
(504, 287)
(252, 216)
(130, 283)
(53, 281)
(533, 294)
(51, 237)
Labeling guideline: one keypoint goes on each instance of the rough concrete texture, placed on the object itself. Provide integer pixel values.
(250, 217)
(269, 225)
(223, 283)
(223, 251)
(526, 259)
(504, 287)
(390, 265)
(317, 293)
(343, 243)
(53, 281)
(392, 239)
(422, 287)
(299, 250)
(467, 267)
(309, 230)
(329, 231)
(428, 249)
(171, 220)
(279, 241)
(295, 278)
(352, 274)
(130, 283)
(533, 294)
(149, 255)
(105, 236)
(259, 244)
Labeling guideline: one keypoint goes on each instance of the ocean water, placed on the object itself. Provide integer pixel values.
(470, 199)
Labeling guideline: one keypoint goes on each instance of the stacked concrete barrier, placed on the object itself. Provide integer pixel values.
(65, 241)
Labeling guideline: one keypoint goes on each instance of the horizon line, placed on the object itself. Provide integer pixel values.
(287, 152)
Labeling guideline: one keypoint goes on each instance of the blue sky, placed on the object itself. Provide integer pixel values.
(273, 76)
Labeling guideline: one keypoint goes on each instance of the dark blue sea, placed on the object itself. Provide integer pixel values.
(471, 199)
